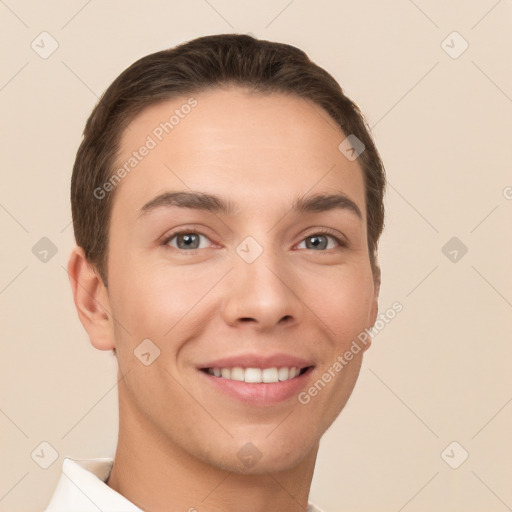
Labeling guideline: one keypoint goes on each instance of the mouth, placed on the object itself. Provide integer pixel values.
(257, 375)
(258, 386)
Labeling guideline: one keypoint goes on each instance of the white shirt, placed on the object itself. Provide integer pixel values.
(82, 488)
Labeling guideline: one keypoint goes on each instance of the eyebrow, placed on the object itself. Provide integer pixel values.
(216, 204)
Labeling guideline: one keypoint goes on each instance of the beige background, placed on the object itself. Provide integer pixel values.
(438, 373)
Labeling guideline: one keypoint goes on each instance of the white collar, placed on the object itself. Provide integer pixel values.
(82, 488)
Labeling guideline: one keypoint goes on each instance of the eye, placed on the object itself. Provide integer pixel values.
(190, 240)
(319, 240)
(186, 240)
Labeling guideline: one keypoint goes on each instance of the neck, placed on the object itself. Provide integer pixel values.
(157, 475)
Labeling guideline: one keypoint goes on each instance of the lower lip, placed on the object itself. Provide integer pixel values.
(263, 393)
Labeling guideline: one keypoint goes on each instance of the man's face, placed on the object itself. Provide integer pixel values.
(265, 282)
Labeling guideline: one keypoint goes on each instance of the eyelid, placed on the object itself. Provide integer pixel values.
(338, 236)
(342, 241)
(181, 231)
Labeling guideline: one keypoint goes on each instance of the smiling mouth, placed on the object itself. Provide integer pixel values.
(257, 375)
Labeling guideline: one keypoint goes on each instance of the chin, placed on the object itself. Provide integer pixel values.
(261, 454)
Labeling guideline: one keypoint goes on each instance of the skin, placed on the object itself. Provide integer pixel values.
(179, 437)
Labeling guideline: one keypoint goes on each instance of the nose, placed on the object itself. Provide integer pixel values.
(263, 293)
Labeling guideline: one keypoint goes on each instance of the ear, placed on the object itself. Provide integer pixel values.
(376, 290)
(91, 300)
(374, 310)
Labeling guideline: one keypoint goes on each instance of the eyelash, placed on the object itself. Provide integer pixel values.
(325, 231)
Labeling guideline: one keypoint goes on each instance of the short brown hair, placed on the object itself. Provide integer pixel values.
(191, 67)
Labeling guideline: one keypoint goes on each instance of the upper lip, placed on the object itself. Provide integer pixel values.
(257, 361)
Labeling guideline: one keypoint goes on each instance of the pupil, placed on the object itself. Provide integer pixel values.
(189, 240)
(315, 240)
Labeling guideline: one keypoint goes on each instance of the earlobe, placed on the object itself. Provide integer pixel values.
(91, 300)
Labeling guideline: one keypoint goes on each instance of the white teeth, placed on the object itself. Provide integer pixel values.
(237, 373)
(283, 373)
(256, 375)
(270, 375)
(252, 375)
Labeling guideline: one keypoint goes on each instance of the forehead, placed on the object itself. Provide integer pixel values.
(259, 149)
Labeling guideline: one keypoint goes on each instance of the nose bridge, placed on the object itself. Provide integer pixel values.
(257, 263)
(258, 288)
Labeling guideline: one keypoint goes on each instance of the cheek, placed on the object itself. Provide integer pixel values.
(152, 298)
(156, 298)
(343, 303)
